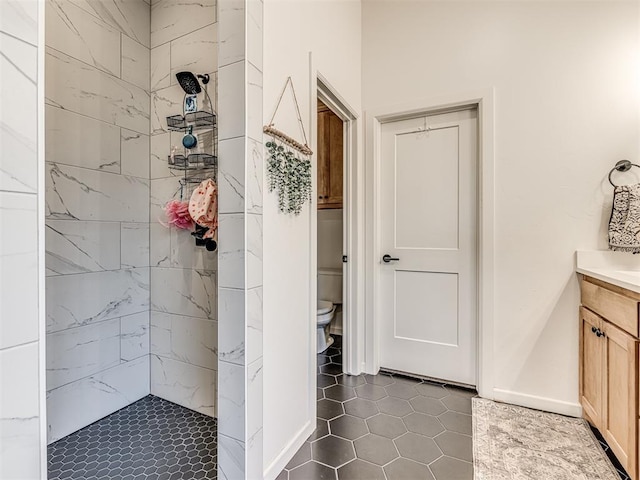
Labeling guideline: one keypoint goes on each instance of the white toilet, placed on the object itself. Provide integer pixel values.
(329, 297)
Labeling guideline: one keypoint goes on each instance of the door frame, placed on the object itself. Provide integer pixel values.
(483, 100)
(353, 242)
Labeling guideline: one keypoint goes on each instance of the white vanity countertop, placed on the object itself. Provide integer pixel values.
(618, 268)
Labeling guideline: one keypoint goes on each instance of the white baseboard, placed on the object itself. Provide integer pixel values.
(278, 464)
(539, 403)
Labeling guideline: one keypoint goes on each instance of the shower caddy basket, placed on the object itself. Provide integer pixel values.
(201, 163)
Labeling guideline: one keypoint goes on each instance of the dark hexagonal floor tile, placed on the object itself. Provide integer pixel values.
(360, 407)
(312, 470)
(432, 390)
(455, 445)
(149, 438)
(461, 392)
(329, 409)
(359, 470)
(423, 424)
(348, 427)
(402, 390)
(456, 422)
(351, 380)
(333, 451)
(381, 379)
(386, 426)
(458, 403)
(447, 468)
(370, 392)
(331, 369)
(303, 455)
(322, 430)
(394, 406)
(418, 448)
(430, 406)
(405, 469)
(333, 350)
(323, 360)
(375, 449)
(339, 393)
(326, 380)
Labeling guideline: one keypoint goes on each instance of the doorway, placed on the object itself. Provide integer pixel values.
(483, 101)
(351, 224)
(428, 233)
(330, 225)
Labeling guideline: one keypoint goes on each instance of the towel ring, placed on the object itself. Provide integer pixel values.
(621, 166)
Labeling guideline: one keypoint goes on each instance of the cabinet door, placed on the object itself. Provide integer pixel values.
(621, 395)
(336, 161)
(592, 364)
(323, 154)
(330, 158)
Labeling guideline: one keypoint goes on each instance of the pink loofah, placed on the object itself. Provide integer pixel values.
(178, 214)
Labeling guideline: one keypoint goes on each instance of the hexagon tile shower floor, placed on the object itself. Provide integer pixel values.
(149, 439)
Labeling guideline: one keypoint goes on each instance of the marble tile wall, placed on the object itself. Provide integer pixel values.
(20, 262)
(97, 184)
(240, 334)
(184, 327)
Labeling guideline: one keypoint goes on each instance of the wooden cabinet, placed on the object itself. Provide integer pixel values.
(591, 367)
(609, 367)
(621, 395)
(330, 158)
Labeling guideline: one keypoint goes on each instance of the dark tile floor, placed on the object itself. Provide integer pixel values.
(384, 427)
(151, 439)
(610, 454)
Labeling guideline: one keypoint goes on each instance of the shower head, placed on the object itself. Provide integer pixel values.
(188, 82)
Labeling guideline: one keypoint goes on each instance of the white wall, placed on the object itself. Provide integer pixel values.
(97, 210)
(184, 327)
(292, 29)
(22, 432)
(566, 108)
(330, 238)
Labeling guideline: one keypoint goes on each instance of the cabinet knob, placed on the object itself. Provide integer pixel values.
(594, 329)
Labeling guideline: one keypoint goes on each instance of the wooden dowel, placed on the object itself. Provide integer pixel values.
(304, 149)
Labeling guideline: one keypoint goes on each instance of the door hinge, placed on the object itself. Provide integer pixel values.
(344, 259)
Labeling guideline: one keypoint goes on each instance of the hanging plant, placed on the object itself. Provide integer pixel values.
(289, 176)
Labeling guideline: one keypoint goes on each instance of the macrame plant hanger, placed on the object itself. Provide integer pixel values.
(288, 162)
(283, 137)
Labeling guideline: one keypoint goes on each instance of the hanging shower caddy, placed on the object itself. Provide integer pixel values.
(197, 157)
(200, 161)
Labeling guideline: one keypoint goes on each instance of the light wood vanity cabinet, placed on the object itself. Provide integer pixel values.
(609, 366)
(330, 158)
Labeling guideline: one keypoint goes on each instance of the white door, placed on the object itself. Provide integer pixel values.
(427, 297)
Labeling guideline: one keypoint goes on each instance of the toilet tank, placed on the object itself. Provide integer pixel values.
(330, 284)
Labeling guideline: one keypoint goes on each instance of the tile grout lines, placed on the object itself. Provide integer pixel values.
(384, 427)
(149, 439)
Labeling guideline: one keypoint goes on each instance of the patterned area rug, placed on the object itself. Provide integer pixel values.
(516, 443)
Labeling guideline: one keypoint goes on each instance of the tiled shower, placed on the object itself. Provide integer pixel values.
(131, 304)
(131, 307)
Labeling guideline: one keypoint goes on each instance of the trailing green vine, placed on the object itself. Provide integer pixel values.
(290, 177)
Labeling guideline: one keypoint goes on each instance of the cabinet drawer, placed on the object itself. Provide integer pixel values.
(620, 310)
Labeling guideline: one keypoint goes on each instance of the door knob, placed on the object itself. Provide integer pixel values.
(388, 258)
